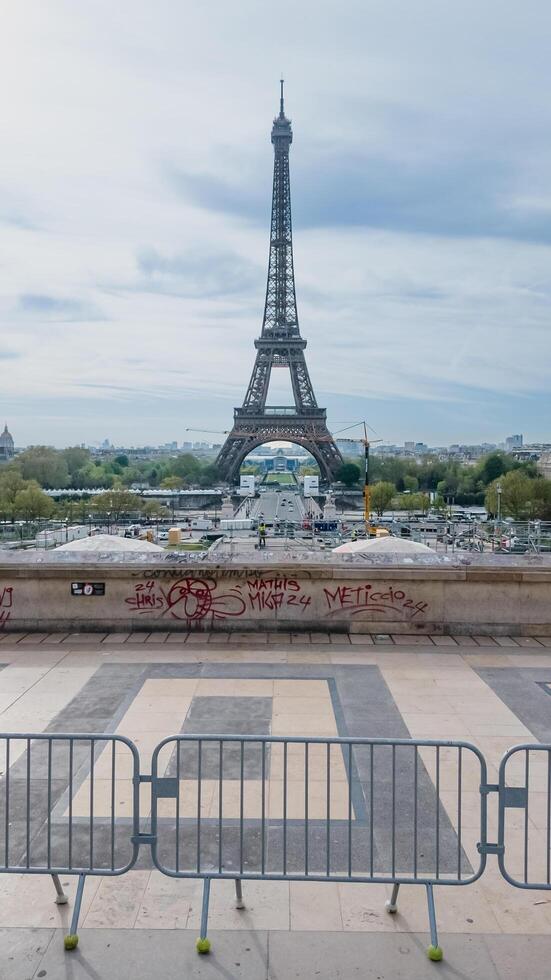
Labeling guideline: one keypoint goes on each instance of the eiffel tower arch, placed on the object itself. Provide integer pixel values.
(280, 345)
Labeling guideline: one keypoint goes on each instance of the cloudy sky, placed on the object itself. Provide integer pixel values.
(135, 183)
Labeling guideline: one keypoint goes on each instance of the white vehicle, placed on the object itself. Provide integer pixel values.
(60, 535)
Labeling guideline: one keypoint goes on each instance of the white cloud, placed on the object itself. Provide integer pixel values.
(107, 102)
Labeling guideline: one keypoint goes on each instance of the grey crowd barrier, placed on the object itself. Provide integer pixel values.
(389, 811)
(61, 809)
(524, 833)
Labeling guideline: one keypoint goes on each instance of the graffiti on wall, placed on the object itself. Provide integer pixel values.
(6, 604)
(191, 599)
(276, 593)
(361, 598)
(194, 599)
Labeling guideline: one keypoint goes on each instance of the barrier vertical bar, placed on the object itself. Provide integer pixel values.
(371, 808)
(199, 779)
(220, 800)
(71, 753)
(393, 810)
(263, 812)
(459, 809)
(285, 808)
(241, 801)
(328, 815)
(28, 805)
(91, 803)
(7, 814)
(349, 809)
(113, 797)
(527, 784)
(177, 828)
(548, 817)
(306, 808)
(437, 811)
(49, 806)
(415, 820)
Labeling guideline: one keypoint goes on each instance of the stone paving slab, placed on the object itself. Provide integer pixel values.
(104, 954)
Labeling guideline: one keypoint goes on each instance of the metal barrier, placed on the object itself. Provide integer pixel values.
(265, 808)
(316, 809)
(524, 832)
(60, 813)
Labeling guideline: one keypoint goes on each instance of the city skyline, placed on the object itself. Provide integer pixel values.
(136, 191)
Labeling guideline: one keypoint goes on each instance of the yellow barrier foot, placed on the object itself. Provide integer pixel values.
(203, 945)
(70, 942)
(435, 953)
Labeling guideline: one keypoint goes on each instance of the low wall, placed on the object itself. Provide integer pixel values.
(298, 597)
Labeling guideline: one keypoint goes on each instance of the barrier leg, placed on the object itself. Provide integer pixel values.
(203, 944)
(61, 897)
(434, 952)
(392, 904)
(71, 941)
(239, 903)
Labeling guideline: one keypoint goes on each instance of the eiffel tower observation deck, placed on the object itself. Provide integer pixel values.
(280, 345)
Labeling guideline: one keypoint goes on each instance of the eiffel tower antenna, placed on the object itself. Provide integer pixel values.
(280, 345)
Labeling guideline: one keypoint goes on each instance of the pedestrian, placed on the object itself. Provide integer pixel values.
(262, 535)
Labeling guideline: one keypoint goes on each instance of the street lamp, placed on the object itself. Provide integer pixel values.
(499, 492)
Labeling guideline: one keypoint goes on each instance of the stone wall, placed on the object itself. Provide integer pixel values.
(298, 597)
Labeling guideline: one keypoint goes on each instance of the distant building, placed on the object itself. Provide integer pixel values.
(349, 447)
(544, 465)
(7, 449)
(512, 443)
(409, 447)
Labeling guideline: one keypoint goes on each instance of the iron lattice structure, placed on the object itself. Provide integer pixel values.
(280, 345)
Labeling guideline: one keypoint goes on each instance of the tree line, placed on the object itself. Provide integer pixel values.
(39, 468)
(405, 484)
(395, 482)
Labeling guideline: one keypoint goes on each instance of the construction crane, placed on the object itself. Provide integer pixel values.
(366, 444)
(215, 432)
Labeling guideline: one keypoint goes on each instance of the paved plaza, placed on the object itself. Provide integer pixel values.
(493, 692)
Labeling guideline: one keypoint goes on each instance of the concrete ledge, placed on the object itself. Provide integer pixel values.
(170, 597)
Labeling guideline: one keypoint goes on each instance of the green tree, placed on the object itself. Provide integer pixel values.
(122, 460)
(491, 467)
(541, 498)
(186, 466)
(411, 483)
(45, 465)
(76, 459)
(349, 474)
(32, 503)
(154, 509)
(381, 495)
(115, 503)
(516, 495)
(11, 482)
(172, 483)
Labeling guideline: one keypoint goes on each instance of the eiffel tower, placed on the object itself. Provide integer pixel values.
(280, 345)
